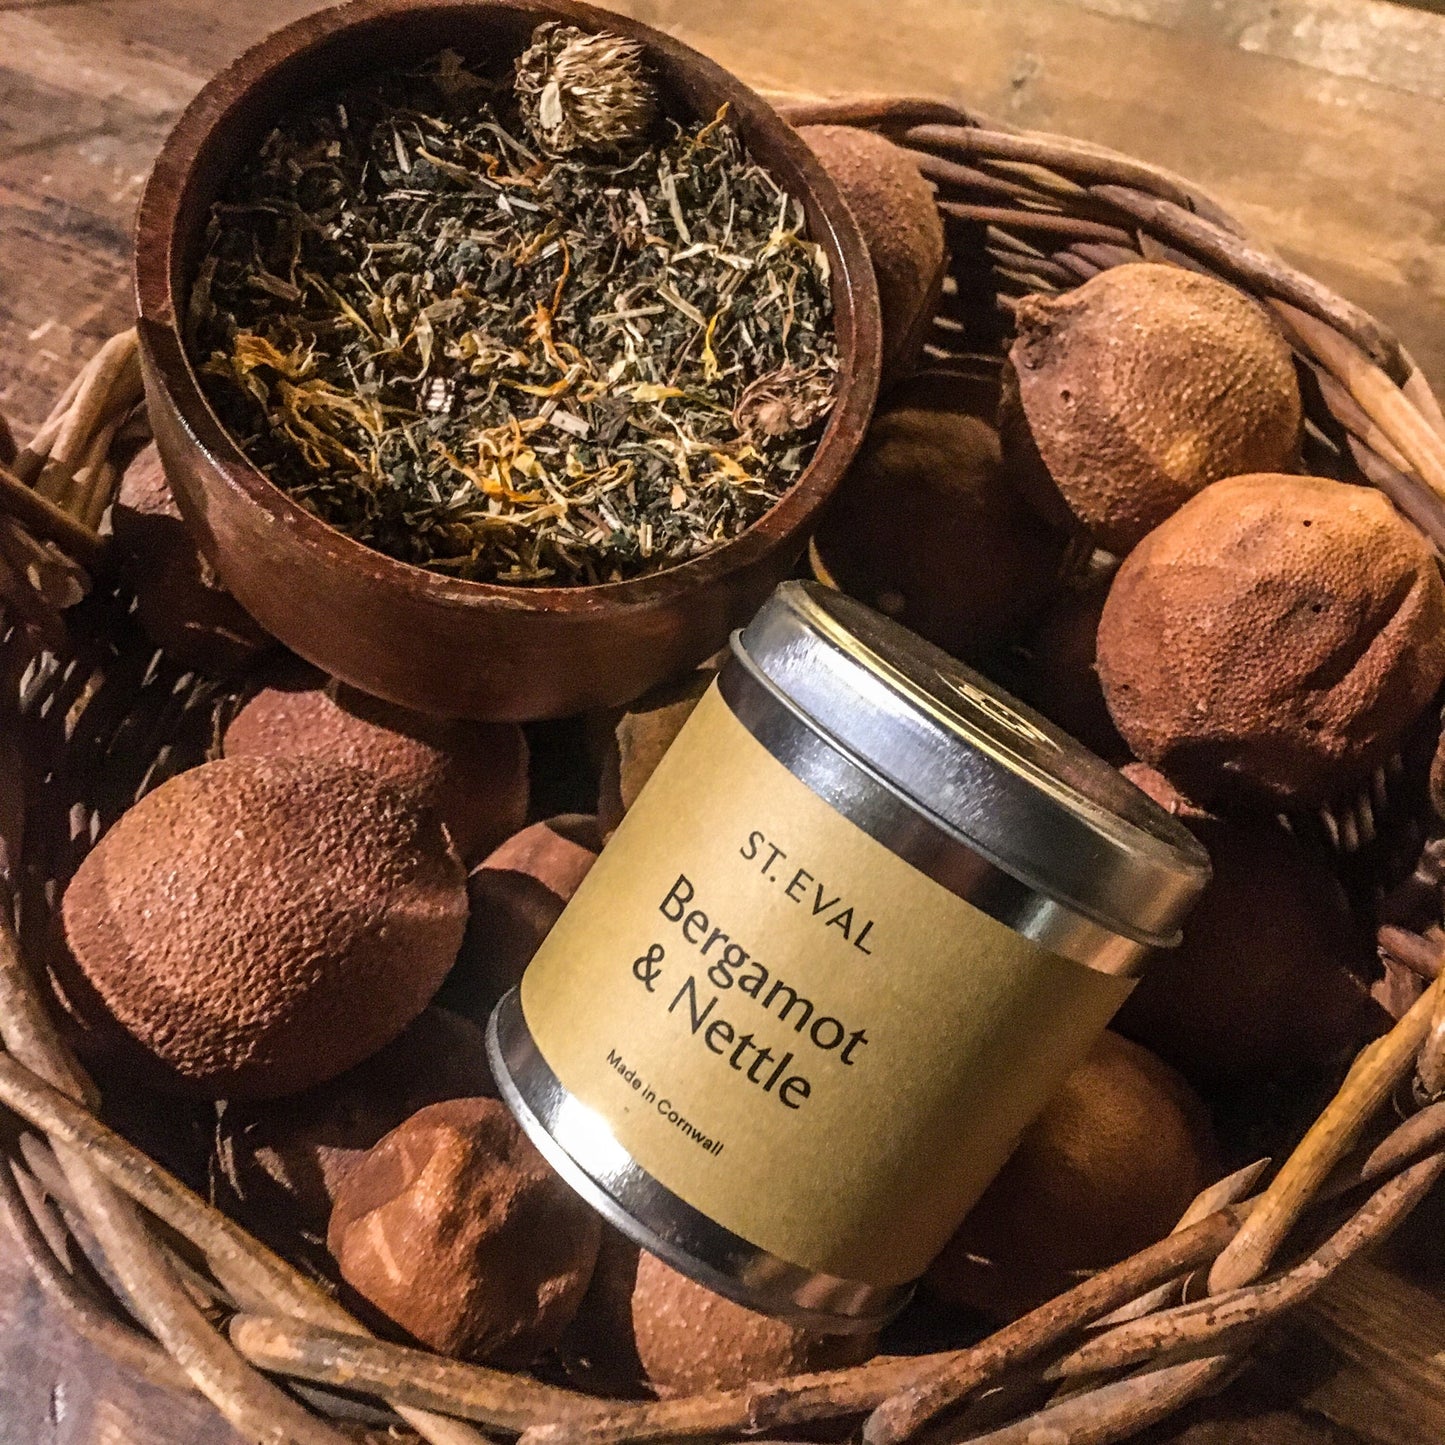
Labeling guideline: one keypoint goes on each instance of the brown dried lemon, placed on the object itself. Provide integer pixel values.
(1273, 640)
(1126, 396)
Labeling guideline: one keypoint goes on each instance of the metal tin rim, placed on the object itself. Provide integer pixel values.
(591, 1161)
(992, 773)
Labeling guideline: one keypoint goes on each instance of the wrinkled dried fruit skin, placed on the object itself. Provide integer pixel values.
(257, 926)
(928, 528)
(1269, 977)
(1107, 1169)
(896, 211)
(455, 1228)
(282, 1163)
(690, 1340)
(181, 603)
(516, 895)
(1141, 387)
(1274, 640)
(474, 775)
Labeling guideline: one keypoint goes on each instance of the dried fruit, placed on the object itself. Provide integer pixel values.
(597, 1349)
(1059, 676)
(690, 1340)
(929, 528)
(516, 895)
(1125, 397)
(257, 926)
(1108, 1168)
(474, 775)
(1268, 979)
(455, 1228)
(180, 601)
(898, 216)
(280, 1164)
(1273, 640)
(642, 735)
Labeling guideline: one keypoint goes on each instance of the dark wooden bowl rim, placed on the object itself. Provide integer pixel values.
(162, 290)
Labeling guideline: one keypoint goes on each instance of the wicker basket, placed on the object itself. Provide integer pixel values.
(187, 1297)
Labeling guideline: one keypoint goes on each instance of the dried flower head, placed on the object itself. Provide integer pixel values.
(786, 401)
(579, 91)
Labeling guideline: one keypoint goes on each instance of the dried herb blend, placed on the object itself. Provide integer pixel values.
(507, 364)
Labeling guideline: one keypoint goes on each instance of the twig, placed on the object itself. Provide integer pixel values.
(1377, 392)
(257, 1277)
(1206, 1321)
(90, 1319)
(1115, 1411)
(1370, 1082)
(47, 520)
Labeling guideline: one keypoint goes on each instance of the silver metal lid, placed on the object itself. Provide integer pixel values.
(987, 769)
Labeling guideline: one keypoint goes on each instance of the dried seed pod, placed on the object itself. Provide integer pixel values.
(690, 1340)
(898, 215)
(642, 735)
(257, 926)
(1274, 640)
(1108, 1168)
(1125, 397)
(180, 601)
(474, 775)
(1269, 977)
(929, 528)
(786, 402)
(584, 92)
(279, 1165)
(516, 895)
(455, 1229)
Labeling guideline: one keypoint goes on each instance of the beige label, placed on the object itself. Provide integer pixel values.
(790, 1027)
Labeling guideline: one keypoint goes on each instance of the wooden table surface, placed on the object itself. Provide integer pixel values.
(1320, 123)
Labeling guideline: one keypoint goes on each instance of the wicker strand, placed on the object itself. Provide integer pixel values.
(84, 1313)
(1033, 212)
(250, 1271)
(1372, 1079)
(1206, 1321)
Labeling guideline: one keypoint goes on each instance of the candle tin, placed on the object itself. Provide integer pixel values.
(863, 919)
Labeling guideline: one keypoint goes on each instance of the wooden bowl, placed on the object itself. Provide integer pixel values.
(415, 637)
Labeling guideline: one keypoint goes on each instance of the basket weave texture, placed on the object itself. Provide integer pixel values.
(188, 1298)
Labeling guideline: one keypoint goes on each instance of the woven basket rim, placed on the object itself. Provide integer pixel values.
(1049, 212)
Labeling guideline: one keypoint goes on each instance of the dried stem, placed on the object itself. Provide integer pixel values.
(111, 385)
(1112, 1412)
(47, 520)
(89, 1317)
(258, 1278)
(1208, 1321)
(1370, 1082)
(1078, 160)
(1259, 272)
(417, 1377)
(1419, 955)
